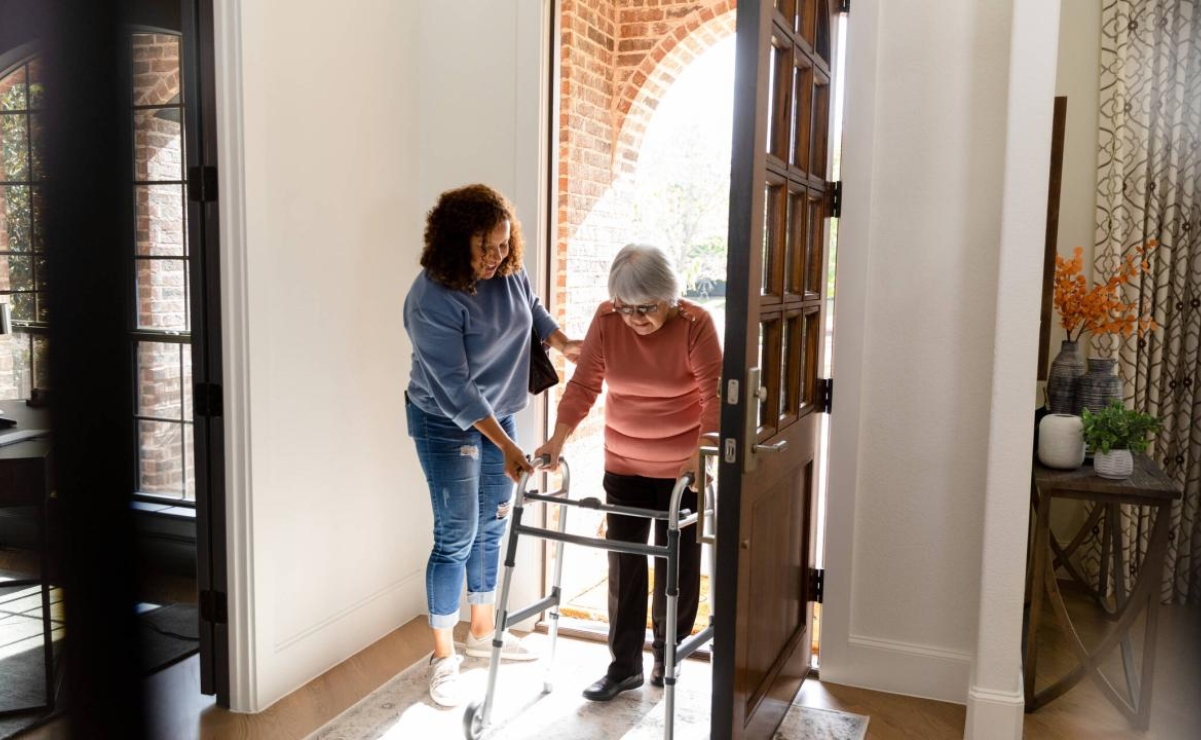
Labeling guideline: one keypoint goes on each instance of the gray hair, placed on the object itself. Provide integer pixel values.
(643, 273)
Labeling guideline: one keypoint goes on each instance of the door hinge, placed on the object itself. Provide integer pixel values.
(835, 191)
(202, 184)
(817, 584)
(824, 395)
(844, 6)
(206, 400)
(214, 607)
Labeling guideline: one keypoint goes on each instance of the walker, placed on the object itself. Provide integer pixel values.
(478, 715)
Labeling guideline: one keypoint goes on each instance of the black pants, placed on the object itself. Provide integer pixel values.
(627, 573)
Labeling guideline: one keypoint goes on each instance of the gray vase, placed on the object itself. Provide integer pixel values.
(1099, 386)
(1066, 370)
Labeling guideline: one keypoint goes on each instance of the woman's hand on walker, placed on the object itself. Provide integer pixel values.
(552, 448)
(515, 463)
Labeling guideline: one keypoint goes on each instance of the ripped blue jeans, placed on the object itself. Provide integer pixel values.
(471, 498)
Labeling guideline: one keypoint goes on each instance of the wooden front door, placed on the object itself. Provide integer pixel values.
(772, 397)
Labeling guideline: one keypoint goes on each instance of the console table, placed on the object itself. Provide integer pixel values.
(1147, 487)
(25, 482)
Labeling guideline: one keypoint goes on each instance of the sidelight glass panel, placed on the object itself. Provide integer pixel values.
(160, 458)
(160, 374)
(156, 79)
(162, 285)
(158, 145)
(162, 228)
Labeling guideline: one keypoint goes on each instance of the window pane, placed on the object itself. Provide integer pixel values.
(160, 449)
(36, 84)
(162, 294)
(41, 362)
(39, 221)
(161, 221)
(186, 349)
(14, 366)
(16, 219)
(40, 270)
(14, 147)
(19, 273)
(13, 92)
(38, 131)
(158, 145)
(155, 69)
(160, 380)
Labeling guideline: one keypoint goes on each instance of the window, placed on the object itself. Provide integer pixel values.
(23, 355)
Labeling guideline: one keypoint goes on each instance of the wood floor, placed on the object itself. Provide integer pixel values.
(181, 713)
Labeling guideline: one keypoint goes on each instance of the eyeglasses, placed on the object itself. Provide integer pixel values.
(641, 310)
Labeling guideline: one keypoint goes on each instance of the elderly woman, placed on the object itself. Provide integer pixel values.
(469, 315)
(661, 359)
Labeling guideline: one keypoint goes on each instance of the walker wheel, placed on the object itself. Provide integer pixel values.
(547, 687)
(473, 721)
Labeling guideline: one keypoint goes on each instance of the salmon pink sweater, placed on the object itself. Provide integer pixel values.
(662, 389)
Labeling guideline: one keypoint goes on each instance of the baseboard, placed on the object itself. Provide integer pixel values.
(905, 668)
(296, 659)
(994, 715)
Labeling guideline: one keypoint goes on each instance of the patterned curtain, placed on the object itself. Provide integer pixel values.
(1148, 177)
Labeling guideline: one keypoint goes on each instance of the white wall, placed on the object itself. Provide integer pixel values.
(914, 340)
(338, 130)
(1078, 78)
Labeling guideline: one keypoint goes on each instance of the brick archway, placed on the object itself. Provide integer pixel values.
(616, 65)
(646, 85)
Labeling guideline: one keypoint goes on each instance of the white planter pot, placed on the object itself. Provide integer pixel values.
(1116, 464)
(1061, 441)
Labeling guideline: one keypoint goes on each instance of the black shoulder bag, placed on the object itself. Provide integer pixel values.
(542, 370)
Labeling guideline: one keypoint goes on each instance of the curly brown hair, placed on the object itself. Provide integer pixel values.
(457, 217)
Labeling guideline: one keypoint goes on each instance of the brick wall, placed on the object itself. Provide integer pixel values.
(618, 58)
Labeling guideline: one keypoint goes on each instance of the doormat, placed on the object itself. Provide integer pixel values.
(401, 708)
(168, 634)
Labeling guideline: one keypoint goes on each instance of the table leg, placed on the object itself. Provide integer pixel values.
(1041, 552)
(1118, 549)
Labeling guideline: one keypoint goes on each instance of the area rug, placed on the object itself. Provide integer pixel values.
(401, 708)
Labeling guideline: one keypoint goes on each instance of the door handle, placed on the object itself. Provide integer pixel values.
(777, 447)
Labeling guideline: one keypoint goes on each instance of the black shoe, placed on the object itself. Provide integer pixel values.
(657, 674)
(607, 688)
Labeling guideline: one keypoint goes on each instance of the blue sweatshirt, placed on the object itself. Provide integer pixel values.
(471, 353)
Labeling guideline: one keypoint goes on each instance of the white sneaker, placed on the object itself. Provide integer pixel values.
(481, 647)
(445, 687)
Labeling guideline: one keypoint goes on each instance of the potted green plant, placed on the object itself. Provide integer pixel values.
(1113, 433)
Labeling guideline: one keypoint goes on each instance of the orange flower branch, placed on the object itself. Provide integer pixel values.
(1101, 309)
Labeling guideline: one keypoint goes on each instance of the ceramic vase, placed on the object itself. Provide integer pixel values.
(1061, 441)
(1116, 464)
(1099, 386)
(1066, 370)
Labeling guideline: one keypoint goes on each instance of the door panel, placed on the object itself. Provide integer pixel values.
(774, 331)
